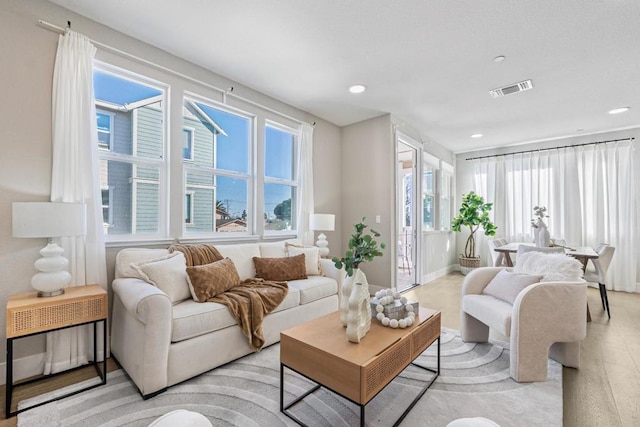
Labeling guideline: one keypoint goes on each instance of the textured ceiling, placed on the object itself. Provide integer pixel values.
(428, 62)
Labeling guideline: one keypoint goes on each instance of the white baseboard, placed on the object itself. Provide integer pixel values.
(24, 367)
(439, 273)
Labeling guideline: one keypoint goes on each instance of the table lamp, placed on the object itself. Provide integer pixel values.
(49, 219)
(322, 222)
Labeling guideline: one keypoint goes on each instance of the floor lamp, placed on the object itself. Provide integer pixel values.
(49, 219)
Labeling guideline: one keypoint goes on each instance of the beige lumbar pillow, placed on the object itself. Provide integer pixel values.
(167, 274)
(207, 281)
(506, 285)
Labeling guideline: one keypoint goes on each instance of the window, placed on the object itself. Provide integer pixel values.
(217, 173)
(280, 179)
(188, 208)
(446, 192)
(187, 143)
(428, 197)
(131, 121)
(105, 123)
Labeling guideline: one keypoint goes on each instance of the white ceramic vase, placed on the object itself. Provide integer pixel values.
(542, 237)
(359, 316)
(347, 285)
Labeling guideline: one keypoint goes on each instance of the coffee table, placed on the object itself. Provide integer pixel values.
(319, 350)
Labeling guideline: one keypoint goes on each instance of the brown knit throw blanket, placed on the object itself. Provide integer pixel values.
(248, 302)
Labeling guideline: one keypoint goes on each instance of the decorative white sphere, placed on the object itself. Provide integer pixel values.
(385, 321)
(403, 300)
(379, 294)
(396, 295)
(402, 323)
(379, 308)
(408, 308)
(393, 323)
(411, 314)
(409, 321)
(380, 316)
(389, 292)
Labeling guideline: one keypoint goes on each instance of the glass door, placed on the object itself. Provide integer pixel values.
(408, 208)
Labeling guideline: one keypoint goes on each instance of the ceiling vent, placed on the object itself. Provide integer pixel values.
(514, 88)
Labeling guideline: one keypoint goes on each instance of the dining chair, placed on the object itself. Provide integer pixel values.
(599, 273)
(497, 257)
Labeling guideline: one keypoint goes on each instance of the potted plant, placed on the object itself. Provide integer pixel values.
(362, 248)
(474, 213)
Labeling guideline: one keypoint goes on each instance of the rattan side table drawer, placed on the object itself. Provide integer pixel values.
(28, 314)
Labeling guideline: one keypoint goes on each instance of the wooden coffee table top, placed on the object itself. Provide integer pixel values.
(327, 334)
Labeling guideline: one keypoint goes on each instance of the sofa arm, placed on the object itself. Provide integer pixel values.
(559, 308)
(141, 333)
(478, 279)
(329, 269)
(141, 299)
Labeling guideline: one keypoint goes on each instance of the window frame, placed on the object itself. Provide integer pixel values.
(190, 166)
(192, 132)
(294, 183)
(162, 164)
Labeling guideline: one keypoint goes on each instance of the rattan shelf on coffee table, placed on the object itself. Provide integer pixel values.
(319, 350)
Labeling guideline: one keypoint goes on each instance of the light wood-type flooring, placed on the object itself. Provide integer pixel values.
(604, 392)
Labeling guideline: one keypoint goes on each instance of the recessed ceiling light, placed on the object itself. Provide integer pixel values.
(357, 88)
(498, 58)
(476, 135)
(619, 110)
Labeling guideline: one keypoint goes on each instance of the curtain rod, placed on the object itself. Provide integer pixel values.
(224, 92)
(552, 148)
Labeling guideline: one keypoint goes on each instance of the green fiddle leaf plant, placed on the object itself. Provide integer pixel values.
(362, 247)
(474, 213)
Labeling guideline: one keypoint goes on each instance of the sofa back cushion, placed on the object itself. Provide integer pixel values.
(209, 280)
(276, 249)
(311, 257)
(126, 257)
(242, 256)
(281, 269)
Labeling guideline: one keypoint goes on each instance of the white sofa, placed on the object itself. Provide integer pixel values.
(160, 344)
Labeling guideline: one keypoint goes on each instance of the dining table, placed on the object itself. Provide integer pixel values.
(581, 253)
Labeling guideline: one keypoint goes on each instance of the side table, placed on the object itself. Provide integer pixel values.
(28, 315)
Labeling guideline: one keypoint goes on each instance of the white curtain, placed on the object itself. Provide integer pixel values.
(75, 178)
(305, 183)
(589, 192)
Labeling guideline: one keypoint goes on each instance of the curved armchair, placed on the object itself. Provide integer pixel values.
(547, 319)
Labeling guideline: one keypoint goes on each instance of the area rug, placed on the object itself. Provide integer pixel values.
(474, 382)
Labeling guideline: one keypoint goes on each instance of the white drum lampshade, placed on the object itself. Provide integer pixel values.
(322, 222)
(49, 219)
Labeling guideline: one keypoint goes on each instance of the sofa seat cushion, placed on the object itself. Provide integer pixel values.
(191, 319)
(314, 288)
(494, 312)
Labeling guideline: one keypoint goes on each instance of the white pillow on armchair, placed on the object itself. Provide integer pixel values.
(552, 267)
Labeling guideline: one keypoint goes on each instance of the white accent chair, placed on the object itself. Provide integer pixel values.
(547, 319)
(598, 274)
(497, 257)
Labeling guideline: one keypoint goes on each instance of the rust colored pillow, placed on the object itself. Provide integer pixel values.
(281, 269)
(209, 280)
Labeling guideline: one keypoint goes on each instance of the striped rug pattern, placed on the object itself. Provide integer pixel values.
(474, 381)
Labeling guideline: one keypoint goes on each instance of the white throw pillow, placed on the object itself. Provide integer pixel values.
(552, 267)
(311, 257)
(506, 285)
(168, 274)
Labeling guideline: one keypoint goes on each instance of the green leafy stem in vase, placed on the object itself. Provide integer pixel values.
(362, 247)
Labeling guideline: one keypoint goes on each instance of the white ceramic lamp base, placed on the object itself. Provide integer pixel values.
(323, 245)
(53, 276)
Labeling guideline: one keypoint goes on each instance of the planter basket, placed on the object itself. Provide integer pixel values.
(468, 264)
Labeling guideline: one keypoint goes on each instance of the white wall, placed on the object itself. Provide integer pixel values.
(464, 171)
(26, 70)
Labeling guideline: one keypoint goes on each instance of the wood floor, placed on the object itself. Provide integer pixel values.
(605, 391)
